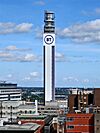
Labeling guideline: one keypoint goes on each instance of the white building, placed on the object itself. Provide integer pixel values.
(12, 109)
(10, 99)
(9, 91)
(9, 109)
(49, 56)
(26, 109)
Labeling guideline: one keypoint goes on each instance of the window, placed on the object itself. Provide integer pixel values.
(30, 112)
(70, 119)
(21, 111)
(70, 127)
(25, 111)
(9, 108)
(84, 97)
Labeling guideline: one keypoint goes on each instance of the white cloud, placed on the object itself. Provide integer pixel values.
(97, 10)
(8, 57)
(24, 27)
(8, 28)
(14, 48)
(11, 48)
(40, 2)
(60, 57)
(70, 79)
(82, 33)
(9, 75)
(27, 78)
(34, 74)
(5, 55)
(28, 58)
(14, 54)
(94, 12)
(85, 80)
(38, 32)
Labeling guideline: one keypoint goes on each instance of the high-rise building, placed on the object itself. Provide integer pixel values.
(49, 56)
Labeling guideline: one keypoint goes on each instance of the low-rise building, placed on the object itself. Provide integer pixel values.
(43, 120)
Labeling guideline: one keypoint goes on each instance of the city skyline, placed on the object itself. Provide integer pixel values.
(77, 42)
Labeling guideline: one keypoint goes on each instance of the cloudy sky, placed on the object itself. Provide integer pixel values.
(77, 42)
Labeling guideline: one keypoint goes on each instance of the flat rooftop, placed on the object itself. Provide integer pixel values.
(25, 127)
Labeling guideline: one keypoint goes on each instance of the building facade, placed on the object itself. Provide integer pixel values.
(9, 92)
(97, 123)
(80, 100)
(13, 109)
(10, 99)
(80, 123)
(97, 97)
(9, 109)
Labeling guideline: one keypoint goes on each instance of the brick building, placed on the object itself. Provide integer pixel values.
(80, 100)
(78, 123)
(97, 97)
(43, 120)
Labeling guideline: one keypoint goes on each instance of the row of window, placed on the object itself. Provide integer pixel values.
(10, 107)
(72, 126)
(10, 90)
(69, 119)
(48, 108)
(10, 97)
(21, 112)
(27, 112)
(13, 113)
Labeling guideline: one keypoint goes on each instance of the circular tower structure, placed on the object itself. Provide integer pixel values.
(49, 56)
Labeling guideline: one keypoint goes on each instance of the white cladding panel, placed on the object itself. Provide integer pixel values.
(48, 42)
(48, 76)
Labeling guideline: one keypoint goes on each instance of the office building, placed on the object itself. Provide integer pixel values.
(10, 99)
(9, 91)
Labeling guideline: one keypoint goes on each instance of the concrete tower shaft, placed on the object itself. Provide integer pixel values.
(49, 56)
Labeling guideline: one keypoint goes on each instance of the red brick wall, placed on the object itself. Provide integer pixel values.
(97, 97)
(81, 123)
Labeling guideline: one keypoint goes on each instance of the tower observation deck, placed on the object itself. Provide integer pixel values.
(49, 26)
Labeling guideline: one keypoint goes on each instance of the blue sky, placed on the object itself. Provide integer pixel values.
(77, 42)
